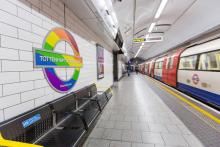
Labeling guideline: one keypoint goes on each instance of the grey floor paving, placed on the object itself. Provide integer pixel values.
(137, 117)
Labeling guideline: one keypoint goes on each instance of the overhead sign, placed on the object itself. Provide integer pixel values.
(47, 59)
(52, 59)
(149, 39)
(139, 40)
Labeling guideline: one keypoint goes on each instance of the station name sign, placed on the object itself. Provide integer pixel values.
(52, 59)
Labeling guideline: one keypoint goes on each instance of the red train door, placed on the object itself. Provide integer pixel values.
(170, 68)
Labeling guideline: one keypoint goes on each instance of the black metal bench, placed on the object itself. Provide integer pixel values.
(69, 125)
(91, 108)
(102, 96)
(60, 123)
(29, 126)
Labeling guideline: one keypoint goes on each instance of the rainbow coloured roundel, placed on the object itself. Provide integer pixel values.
(47, 59)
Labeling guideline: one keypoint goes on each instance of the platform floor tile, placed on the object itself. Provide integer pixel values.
(136, 116)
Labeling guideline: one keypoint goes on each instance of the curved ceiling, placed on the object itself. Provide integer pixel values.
(180, 21)
(200, 17)
(135, 17)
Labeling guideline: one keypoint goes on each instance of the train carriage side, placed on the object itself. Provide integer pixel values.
(199, 71)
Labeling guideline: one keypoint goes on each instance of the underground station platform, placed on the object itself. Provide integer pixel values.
(109, 73)
(146, 113)
(137, 111)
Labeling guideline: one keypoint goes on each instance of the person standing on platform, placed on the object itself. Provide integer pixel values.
(128, 70)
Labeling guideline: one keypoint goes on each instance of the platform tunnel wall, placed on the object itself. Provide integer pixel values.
(23, 25)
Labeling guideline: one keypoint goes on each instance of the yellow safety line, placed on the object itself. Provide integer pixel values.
(204, 112)
(8, 143)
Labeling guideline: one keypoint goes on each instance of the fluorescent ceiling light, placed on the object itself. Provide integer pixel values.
(147, 35)
(114, 17)
(151, 27)
(160, 9)
(111, 21)
(137, 52)
(142, 44)
(102, 4)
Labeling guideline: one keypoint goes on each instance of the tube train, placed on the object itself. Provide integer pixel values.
(194, 71)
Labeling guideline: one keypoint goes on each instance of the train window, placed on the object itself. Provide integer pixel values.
(156, 65)
(169, 63)
(146, 67)
(160, 65)
(210, 61)
(188, 63)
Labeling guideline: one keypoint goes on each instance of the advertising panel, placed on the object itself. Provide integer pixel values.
(100, 61)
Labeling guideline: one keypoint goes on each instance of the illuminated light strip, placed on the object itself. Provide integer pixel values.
(9, 143)
(151, 27)
(202, 111)
(138, 51)
(157, 15)
(160, 9)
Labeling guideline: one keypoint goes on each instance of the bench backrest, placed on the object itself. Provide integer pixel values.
(82, 93)
(93, 89)
(28, 126)
(63, 105)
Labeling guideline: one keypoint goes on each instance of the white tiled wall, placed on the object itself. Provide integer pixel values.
(23, 25)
